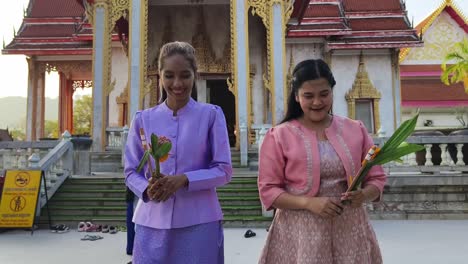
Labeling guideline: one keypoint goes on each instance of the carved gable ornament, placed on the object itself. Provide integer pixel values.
(363, 89)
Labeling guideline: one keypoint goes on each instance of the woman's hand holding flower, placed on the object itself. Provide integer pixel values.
(356, 198)
(324, 206)
(165, 187)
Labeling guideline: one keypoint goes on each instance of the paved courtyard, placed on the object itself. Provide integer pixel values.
(412, 242)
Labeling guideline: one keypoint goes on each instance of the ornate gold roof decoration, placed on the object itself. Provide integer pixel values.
(362, 87)
(427, 23)
(205, 56)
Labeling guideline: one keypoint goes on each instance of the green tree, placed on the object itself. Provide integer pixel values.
(458, 71)
(18, 134)
(82, 109)
(51, 129)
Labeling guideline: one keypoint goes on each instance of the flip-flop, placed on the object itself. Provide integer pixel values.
(122, 228)
(91, 238)
(86, 237)
(249, 233)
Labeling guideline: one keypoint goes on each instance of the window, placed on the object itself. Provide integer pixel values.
(365, 113)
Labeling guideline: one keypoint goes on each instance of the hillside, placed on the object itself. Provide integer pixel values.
(13, 111)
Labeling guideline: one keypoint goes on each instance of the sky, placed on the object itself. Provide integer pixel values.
(13, 68)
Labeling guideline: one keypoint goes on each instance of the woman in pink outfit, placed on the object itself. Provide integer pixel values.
(304, 165)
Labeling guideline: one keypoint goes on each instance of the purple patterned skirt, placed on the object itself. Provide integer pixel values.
(203, 243)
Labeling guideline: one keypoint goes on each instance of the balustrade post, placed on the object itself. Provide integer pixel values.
(428, 155)
(66, 135)
(460, 161)
(34, 160)
(112, 139)
(443, 155)
(124, 143)
(244, 144)
(412, 159)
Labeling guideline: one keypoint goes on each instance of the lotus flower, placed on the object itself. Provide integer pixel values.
(158, 149)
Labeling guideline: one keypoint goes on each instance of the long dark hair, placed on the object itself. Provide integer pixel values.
(178, 48)
(305, 71)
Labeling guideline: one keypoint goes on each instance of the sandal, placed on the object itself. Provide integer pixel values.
(91, 238)
(82, 227)
(249, 233)
(92, 227)
(105, 229)
(113, 230)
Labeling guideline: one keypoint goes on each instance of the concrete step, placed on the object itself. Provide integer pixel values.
(421, 215)
(236, 192)
(87, 201)
(421, 206)
(427, 180)
(90, 193)
(425, 196)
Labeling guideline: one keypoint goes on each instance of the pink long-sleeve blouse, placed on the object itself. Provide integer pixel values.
(290, 162)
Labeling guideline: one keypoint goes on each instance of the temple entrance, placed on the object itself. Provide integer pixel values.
(218, 93)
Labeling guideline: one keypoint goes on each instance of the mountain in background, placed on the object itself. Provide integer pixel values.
(13, 111)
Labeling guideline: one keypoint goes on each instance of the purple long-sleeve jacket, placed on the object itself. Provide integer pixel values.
(200, 150)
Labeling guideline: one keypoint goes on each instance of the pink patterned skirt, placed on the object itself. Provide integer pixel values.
(299, 236)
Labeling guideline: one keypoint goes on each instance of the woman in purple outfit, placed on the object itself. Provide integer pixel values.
(178, 217)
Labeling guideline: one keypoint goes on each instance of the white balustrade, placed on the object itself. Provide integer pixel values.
(443, 155)
(428, 155)
(114, 138)
(460, 161)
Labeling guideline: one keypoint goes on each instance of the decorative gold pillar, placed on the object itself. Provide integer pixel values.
(240, 79)
(275, 14)
(137, 53)
(102, 58)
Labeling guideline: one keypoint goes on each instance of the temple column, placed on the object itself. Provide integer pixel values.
(102, 30)
(40, 105)
(138, 25)
(241, 71)
(277, 47)
(31, 105)
(70, 92)
(396, 90)
(65, 104)
(275, 14)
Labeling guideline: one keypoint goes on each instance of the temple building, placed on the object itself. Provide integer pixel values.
(441, 107)
(246, 50)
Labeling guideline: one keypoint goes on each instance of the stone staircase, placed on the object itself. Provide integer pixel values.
(101, 197)
(102, 200)
(423, 197)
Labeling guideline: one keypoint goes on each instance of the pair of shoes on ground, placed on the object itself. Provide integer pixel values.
(91, 238)
(109, 229)
(89, 227)
(60, 228)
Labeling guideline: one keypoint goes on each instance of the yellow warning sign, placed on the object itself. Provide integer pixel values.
(19, 198)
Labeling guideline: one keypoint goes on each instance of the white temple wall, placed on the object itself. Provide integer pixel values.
(120, 75)
(302, 51)
(344, 66)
